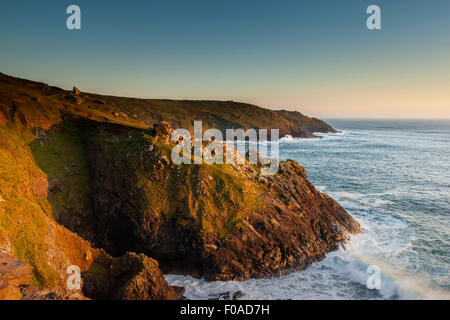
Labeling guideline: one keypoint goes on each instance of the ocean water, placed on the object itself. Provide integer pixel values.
(394, 178)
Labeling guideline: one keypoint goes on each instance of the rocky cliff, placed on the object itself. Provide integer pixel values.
(218, 221)
(79, 172)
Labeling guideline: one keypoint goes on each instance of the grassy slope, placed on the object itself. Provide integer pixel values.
(214, 114)
(179, 113)
(27, 228)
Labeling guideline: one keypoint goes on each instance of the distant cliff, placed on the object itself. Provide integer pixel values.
(181, 113)
(214, 114)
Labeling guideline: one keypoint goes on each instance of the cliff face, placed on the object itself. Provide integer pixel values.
(217, 221)
(304, 125)
(45, 184)
(77, 172)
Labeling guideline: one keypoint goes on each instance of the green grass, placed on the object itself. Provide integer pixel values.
(22, 218)
(63, 157)
(25, 221)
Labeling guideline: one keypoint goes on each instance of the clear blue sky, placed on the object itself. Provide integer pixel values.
(314, 56)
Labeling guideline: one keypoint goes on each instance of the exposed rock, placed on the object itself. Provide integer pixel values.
(40, 188)
(74, 99)
(163, 131)
(78, 100)
(237, 295)
(246, 231)
(14, 271)
(15, 278)
(9, 292)
(227, 295)
(179, 291)
(222, 222)
(76, 91)
(3, 119)
(54, 185)
(220, 296)
(33, 293)
(131, 277)
(124, 115)
(41, 135)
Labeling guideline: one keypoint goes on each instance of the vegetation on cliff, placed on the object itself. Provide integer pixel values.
(79, 171)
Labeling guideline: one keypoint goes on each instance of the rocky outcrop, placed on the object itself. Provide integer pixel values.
(304, 126)
(131, 277)
(37, 247)
(78, 174)
(221, 222)
(13, 271)
(163, 131)
(13, 274)
(296, 226)
(15, 278)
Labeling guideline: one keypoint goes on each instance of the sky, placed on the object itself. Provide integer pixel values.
(315, 56)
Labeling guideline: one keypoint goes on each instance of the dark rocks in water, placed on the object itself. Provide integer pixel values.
(237, 295)
(220, 296)
(227, 296)
(179, 291)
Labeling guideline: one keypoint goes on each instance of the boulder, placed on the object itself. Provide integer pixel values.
(163, 131)
(13, 271)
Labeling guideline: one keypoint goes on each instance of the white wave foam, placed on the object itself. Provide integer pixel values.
(342, 196)
(341, 275)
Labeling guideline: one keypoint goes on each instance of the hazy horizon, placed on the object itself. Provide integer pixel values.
(314, 57)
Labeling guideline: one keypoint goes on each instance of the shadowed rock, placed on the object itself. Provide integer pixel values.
(131, 277)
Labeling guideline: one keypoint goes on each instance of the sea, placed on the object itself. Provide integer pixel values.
(393, 176)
